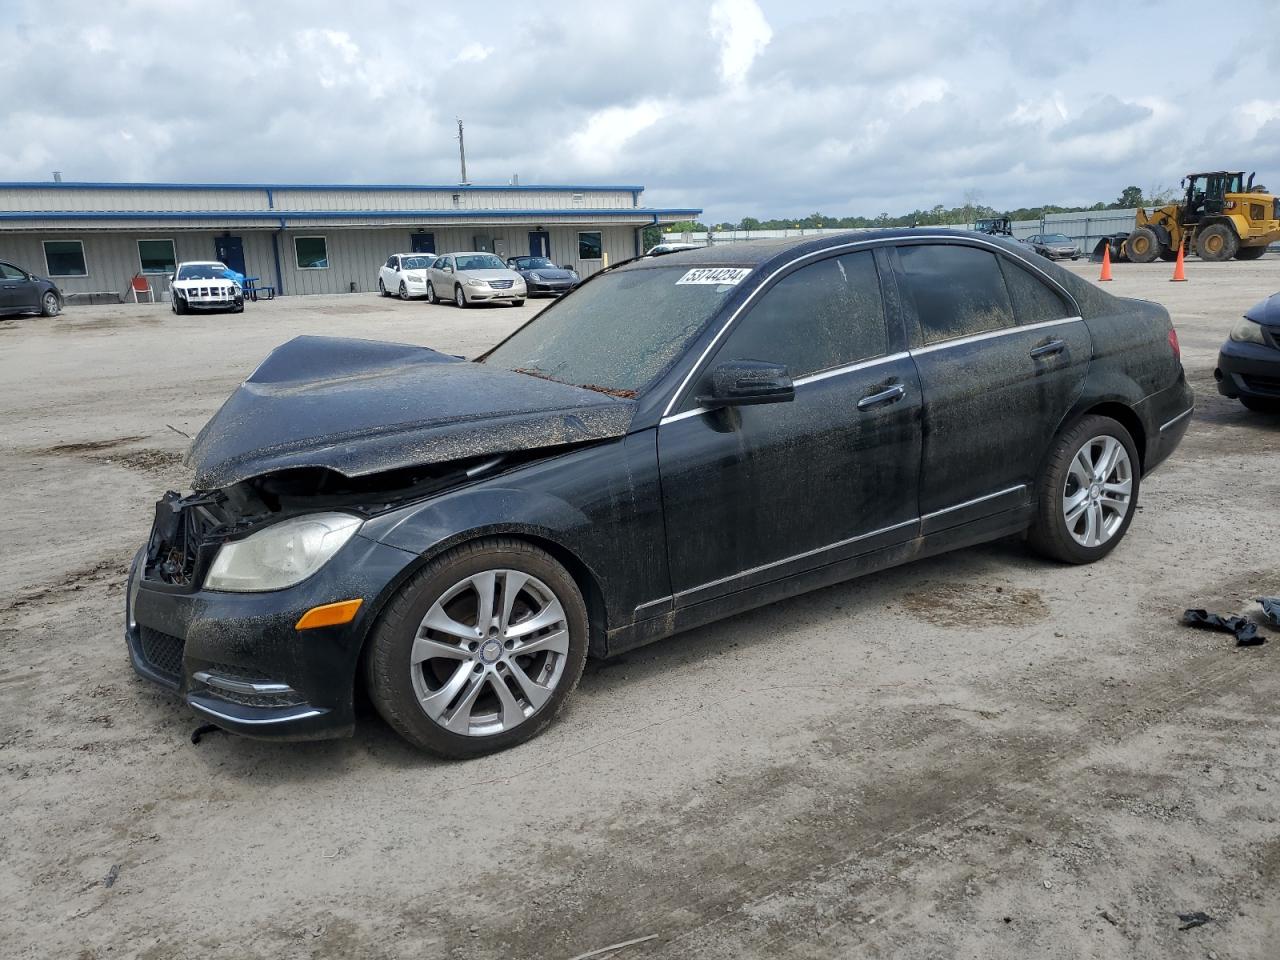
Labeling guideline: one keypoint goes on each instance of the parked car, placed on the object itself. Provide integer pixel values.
(680, 439)
(543, 276)
(405, 275)
(204, 285)
(23, 292)
(1055, 246)
(467, 278)
(1249, 362)
(658, 249)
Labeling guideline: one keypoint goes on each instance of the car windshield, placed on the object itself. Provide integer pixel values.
(480, 261)
(534, 263)
(1055, 238)
(618, 333)
(416, 263)
(202, 271)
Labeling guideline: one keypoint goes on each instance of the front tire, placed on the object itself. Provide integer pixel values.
(445, 666)
(1216, 243)
(179, 306)
(382, 288)
(404, 290)
(1144, 245)
(460, 298)
(1087, 492)
(517, 303)
(50, 305)
(431, 293)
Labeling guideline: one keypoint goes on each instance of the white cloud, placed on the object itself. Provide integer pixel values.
(742, 31)
(473, 53)
(602, 141)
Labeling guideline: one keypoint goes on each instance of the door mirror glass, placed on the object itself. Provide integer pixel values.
(740, 382)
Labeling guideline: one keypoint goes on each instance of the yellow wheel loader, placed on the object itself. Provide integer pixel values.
(1220, 217)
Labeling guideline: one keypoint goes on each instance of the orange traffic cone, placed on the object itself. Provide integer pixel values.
(1178, 272)
(1106, 262)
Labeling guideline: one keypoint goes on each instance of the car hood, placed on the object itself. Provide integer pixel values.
(550, 273)
(360, 407)
(187, 284)
(1266, 312)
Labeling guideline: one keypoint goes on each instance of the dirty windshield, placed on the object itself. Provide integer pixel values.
(620, 331)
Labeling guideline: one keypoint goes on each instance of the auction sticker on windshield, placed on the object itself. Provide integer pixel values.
(718, 275)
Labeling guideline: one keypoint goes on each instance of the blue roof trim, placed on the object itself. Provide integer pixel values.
(452, 187)
(278, 214)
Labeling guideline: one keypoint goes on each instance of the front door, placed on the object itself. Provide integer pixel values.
(16, 291)
(1002, 359)
(422, 242)
(754, 494)
(230, 252)
(539, 243)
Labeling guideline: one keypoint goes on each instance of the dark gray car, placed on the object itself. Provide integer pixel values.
(1055, 246)
(543, 276)
(23, 292)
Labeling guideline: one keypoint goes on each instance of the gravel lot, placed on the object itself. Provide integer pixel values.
(981, 755)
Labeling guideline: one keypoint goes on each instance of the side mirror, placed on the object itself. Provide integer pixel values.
(740, 382)
(172, 277)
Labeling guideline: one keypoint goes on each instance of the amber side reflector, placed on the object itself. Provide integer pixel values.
(329, 615)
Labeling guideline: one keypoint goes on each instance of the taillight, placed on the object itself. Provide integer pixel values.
(1173, 344)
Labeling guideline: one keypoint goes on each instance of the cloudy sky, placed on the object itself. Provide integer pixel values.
(742, 107)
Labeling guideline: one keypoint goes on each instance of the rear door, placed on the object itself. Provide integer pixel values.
(1002, 357)
(753, 494)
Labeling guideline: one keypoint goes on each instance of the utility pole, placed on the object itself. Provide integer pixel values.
(462, 154)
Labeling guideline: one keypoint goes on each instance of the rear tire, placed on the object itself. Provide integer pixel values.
(1144, 246)
(1216, 243)
(1251, 253)
(517, 303)
(1079, 523)
(478, 716)
(1261, 404)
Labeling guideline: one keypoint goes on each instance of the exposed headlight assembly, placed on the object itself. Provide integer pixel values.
(281, 555)
(1246, 331)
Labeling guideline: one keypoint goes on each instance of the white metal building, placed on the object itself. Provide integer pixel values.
(300, 238)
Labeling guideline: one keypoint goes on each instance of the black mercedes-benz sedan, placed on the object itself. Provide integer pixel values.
(680, 439)
(1249, 362)
(543, 276)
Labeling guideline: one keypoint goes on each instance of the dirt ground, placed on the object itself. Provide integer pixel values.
(979, 756)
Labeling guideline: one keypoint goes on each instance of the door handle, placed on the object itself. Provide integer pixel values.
(1048, 349)
(891, 395)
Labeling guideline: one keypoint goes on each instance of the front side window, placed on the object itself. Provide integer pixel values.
(1034, 301)
(65, 258)
(620, 332)
(391, 263)
(311, 253)
(157, 256)
(825, 315)
(957, 291)
(10, 272)
(590, 245)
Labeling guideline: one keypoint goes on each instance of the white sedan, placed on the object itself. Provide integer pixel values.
(405, 275)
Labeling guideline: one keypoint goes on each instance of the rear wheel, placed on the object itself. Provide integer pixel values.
(1216, 242)
(479, 650)
(1144, 245)
(1251, 253)
(1087, 492)
(1261, 404)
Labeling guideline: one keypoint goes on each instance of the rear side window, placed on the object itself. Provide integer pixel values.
(1034, 301)
(958, 291)
(825, 315)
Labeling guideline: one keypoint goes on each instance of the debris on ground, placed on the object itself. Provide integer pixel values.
(615, 946)
(1246, 631)
(1194, 919)
(112, 875)
(1271, 610)
(198, 733)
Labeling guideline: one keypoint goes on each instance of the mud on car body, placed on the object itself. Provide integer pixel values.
(679, 439)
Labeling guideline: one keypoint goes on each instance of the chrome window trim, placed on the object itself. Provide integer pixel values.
(974, 501)
(963, 239)
(992, 334)
(810, 378)
(1185, 413)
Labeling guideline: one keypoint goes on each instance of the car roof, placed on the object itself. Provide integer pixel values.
(203, 263)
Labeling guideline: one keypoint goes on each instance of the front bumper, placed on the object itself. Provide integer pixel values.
(1248, 370)
(1071, 254)
(487, 294)
(550, 286)
(237, 659)
(213, 303)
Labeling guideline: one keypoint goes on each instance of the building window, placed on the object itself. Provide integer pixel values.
(157, 256)
(311, 253)
(65, 258)
(577, 199)
(590, 246)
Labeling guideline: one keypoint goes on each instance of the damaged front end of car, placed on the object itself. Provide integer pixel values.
(253, 594)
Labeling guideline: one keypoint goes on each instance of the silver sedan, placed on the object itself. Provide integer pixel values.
(467, 278)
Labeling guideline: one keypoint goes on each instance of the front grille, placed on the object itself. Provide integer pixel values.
(501, 284)
(163, 652)
(1258, 384)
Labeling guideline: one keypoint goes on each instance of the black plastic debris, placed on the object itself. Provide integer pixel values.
(1271, 610)
(1246, 631)
(1196, 919)
(112, 875)
(198, 733)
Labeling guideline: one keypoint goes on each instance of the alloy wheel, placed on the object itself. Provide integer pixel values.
(1098, 492)
(50, 305)
(459, 297)
(431, 293)
(404, 291)
(489, 653)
